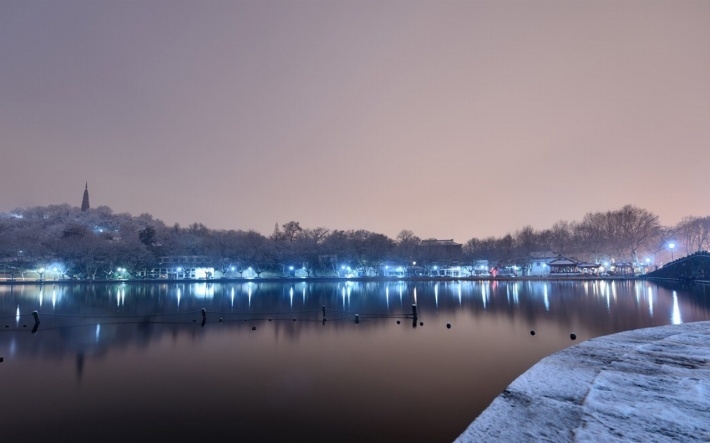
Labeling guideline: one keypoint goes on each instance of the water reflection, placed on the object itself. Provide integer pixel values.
(676, 320)
(273, 334)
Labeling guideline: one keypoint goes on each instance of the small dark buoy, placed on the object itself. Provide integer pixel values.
(294, 319)
(253, 328)
(421, 323)
(269, 319)
(24, 326)
(398, 322)
(2, 359)
(220, 320)
(194, 321)
(448, 326)
(573, 336)
(532, 332)
(7, 326)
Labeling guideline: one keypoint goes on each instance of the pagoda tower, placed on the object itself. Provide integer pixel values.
(85, 200)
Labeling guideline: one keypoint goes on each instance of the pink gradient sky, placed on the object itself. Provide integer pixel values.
(448, 118)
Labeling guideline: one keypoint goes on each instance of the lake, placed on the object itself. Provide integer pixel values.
(120, 361)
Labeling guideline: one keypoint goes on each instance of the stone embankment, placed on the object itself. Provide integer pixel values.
(647, 385)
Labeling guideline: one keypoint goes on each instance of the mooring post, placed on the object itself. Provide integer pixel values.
(204, 314)
(323, 312)
(35, 314)
(357, 318)
(414, 311)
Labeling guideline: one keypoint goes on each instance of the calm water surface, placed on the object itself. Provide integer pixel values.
(113, 362)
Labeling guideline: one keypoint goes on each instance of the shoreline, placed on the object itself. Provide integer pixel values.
(318, 280)
(643, 385)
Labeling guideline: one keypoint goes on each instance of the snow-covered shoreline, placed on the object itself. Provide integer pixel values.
(646, 385)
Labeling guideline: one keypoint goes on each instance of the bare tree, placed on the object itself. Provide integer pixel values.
(693, 233)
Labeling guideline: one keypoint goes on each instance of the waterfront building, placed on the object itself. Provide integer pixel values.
(539, 264)
(185, 266)
(564, 266)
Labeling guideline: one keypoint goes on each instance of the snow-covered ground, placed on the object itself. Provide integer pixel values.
(648, 385)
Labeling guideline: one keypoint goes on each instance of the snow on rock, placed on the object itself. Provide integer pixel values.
(648, 385)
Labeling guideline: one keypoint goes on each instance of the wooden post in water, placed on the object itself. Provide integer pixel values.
(323, 312)
(357, 319)
(35, 314)
(414, 311)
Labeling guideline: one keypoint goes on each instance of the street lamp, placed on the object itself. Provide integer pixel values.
(671, 246)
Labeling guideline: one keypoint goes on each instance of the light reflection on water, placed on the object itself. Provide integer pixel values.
(140, 353)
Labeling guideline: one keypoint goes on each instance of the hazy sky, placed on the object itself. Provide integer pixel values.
(448, 118)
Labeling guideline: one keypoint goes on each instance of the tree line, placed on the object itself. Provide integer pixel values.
(93, 244)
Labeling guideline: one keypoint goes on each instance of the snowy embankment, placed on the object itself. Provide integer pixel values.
(647, 385)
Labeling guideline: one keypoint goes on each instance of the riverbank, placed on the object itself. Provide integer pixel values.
(314, 279)
(644, 385)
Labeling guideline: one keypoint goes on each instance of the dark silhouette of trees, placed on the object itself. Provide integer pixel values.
(96, 242)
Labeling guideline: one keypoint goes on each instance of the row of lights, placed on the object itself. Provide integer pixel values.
(42, 271)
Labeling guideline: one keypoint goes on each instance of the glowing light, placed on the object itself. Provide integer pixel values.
(546, 298)
(17, 316)
(675, 319)
(98, 331)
